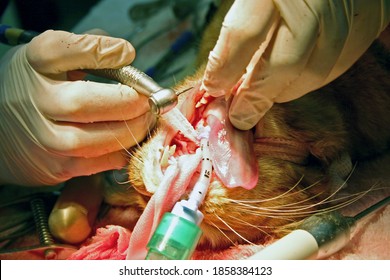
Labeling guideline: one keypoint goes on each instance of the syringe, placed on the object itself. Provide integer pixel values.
(318, 237)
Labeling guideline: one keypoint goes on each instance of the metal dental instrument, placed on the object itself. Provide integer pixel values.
(161, 100)
(318, 237)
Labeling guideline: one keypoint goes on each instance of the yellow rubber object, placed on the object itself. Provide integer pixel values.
(75, 211)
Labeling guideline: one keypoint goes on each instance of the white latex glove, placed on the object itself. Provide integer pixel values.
(288, 48)
(53, 129)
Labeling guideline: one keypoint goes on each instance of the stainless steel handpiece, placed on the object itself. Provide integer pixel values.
(161, 100)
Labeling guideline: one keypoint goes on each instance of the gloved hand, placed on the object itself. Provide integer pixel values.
(288, 48)
(53, 129)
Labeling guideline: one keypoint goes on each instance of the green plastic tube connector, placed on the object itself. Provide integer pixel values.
(174, 239)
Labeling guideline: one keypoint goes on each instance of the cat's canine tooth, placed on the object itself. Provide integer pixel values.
(201, 102)
(165, 156)
(172, 150)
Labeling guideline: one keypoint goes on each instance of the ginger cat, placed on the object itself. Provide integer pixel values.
(300, 154)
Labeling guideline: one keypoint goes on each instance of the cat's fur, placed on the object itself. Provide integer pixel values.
(343, 123)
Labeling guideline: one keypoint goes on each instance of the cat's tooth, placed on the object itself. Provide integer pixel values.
(201, 102)
(165, 156)
(216, 184)
(172, 150)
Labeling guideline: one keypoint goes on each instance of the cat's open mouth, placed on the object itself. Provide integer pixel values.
(169, 165)
(232, 152)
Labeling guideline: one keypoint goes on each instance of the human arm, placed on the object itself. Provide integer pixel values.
(54, 127)
(280, 50)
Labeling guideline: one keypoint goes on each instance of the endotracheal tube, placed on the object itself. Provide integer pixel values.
(178, 232)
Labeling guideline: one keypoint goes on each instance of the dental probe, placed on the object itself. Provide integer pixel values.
(318, 237)
(161, 100)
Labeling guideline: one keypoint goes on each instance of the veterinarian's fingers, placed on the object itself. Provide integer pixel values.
(315, 43)
(70, 51)
(75, 211)
(85, 102)
(78, 166)
(366, 22)
(243, 31)
(270, 72)
(96, 139)
(328, 37)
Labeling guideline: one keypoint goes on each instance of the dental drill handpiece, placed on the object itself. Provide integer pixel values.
(161, 100)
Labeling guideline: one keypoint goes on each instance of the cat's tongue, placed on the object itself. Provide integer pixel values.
(231, 149)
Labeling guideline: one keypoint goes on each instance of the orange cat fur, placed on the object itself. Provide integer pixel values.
(305, 150)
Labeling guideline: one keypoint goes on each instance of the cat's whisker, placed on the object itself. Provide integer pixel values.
(132, 135)
(339, 188)
(260, 228)
(222, 232)
(326, 200)
(282, 215)
(150, 129)
(120, 143)
(268, 199)
(149, 134)
(281, 210)
(275, 215)
(353, 198)
(233, 230)
(297, 204)
(346, 201)
(120, 182)
(247, 203)
(138, 159)
(266, 212)
(129, 181)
